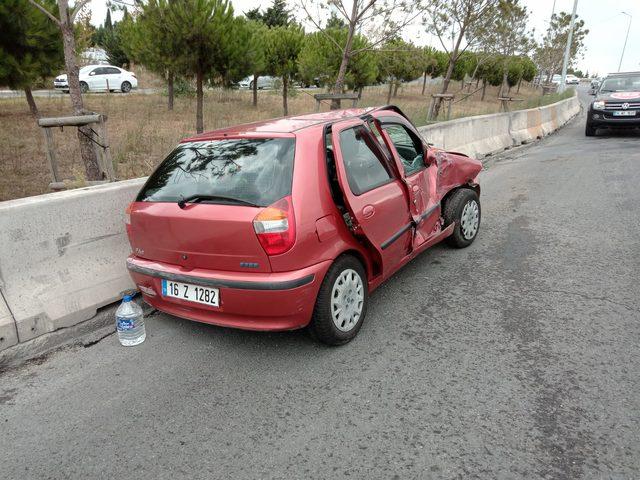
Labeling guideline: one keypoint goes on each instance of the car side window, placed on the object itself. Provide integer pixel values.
(111, 70)
(409, 148)
(362, 161)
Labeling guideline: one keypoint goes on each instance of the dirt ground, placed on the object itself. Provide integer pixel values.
(142, 131)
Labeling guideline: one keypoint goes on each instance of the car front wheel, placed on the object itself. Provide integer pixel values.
(125, 87)
(342, 301)
(463, 209)
(589, 130)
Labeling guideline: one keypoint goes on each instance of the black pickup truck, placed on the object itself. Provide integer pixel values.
(616, 103)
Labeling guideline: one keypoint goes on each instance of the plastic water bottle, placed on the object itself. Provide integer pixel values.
(130, 322)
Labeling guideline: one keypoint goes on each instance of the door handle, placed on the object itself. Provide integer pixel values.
(368, 211)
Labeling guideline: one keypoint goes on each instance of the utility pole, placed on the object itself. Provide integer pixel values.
(625, 40)
(567, 50)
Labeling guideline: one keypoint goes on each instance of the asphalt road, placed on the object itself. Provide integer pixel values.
(514, 358)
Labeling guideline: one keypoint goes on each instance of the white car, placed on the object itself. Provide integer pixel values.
(571, 80)
(263, 82)
(96, 78)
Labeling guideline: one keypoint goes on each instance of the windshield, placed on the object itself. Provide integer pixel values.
(256, 170)
(625, 83)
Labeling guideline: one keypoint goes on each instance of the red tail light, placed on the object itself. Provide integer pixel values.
(275, 227)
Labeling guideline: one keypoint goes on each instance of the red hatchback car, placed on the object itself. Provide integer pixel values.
(292, 222)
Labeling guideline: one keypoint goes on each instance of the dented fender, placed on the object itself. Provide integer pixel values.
(454, 170)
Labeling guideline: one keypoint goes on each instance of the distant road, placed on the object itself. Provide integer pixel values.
(57, 93)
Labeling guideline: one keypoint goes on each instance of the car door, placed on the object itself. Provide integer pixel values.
(420, 175)
(112, 76)
(374, 196)
(96, 79)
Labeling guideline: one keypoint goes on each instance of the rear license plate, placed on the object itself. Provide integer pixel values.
(625, 113)
(191, 293)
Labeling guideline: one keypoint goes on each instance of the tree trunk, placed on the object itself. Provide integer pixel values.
(390, 91)
(255, 89)
(346, 55)
(170, 79)
(424, 81)
(285, 92)
(445, 86)
(199, 101)
(360, 92)
(395, 89)
(32, 103)
(87, 151)
(477, 82)
(501, 92)
(484, 89)
(519, 83)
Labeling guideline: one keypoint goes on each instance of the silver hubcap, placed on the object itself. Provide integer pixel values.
(470, 219)
(347, 300)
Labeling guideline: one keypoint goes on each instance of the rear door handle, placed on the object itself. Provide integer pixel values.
(368, 211)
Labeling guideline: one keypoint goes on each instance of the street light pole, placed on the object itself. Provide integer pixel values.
(567, 50)
(625, 40)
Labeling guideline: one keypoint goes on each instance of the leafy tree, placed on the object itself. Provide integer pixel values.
(147, 40)
(400, 61)
(507, 35)
(64, 19)
(429, 62)
(320, 59)
(277, 15)
(113, 43)
(456, 24)
(255, 54)
(550, 54)
(383, 21)
(282, 46)
(203, 30)
(30, 47)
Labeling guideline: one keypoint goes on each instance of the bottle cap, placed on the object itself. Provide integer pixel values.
(127, 298)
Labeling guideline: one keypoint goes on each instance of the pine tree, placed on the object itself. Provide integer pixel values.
(30, 47)
(203, 30)
(282, 47)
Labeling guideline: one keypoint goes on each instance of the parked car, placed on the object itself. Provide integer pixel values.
(264, 82)
(556, 79)
(571, 80)
(100, 78)
(292, 222)
(616, 103)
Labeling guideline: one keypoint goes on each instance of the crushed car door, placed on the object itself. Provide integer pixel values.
(419, 174)
(375, 198)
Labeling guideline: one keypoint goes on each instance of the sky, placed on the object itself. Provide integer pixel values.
(604, 18)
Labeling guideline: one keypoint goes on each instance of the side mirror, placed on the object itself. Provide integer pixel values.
(92, 73)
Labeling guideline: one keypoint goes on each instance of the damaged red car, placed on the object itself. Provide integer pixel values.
(293, 222)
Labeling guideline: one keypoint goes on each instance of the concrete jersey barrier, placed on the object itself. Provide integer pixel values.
(488, 134)
(62, 255)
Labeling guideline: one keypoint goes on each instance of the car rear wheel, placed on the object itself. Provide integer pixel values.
(463, 209)
(589, 130)
(342, 301)
(125, 87)
(84, 87)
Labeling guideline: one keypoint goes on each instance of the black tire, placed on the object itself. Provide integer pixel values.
(589, 130)
(251, 85)
(125, 87)
(322, 326)
(84, 87)
(452, 213)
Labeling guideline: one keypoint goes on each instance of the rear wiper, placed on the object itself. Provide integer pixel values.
(199, 198)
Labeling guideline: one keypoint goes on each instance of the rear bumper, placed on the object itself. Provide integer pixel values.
(251, 301)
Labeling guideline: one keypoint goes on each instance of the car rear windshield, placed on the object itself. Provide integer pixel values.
(622, 83)
(256, 171)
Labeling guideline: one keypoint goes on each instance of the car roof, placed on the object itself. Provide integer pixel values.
(284, 125)
(621, 74)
